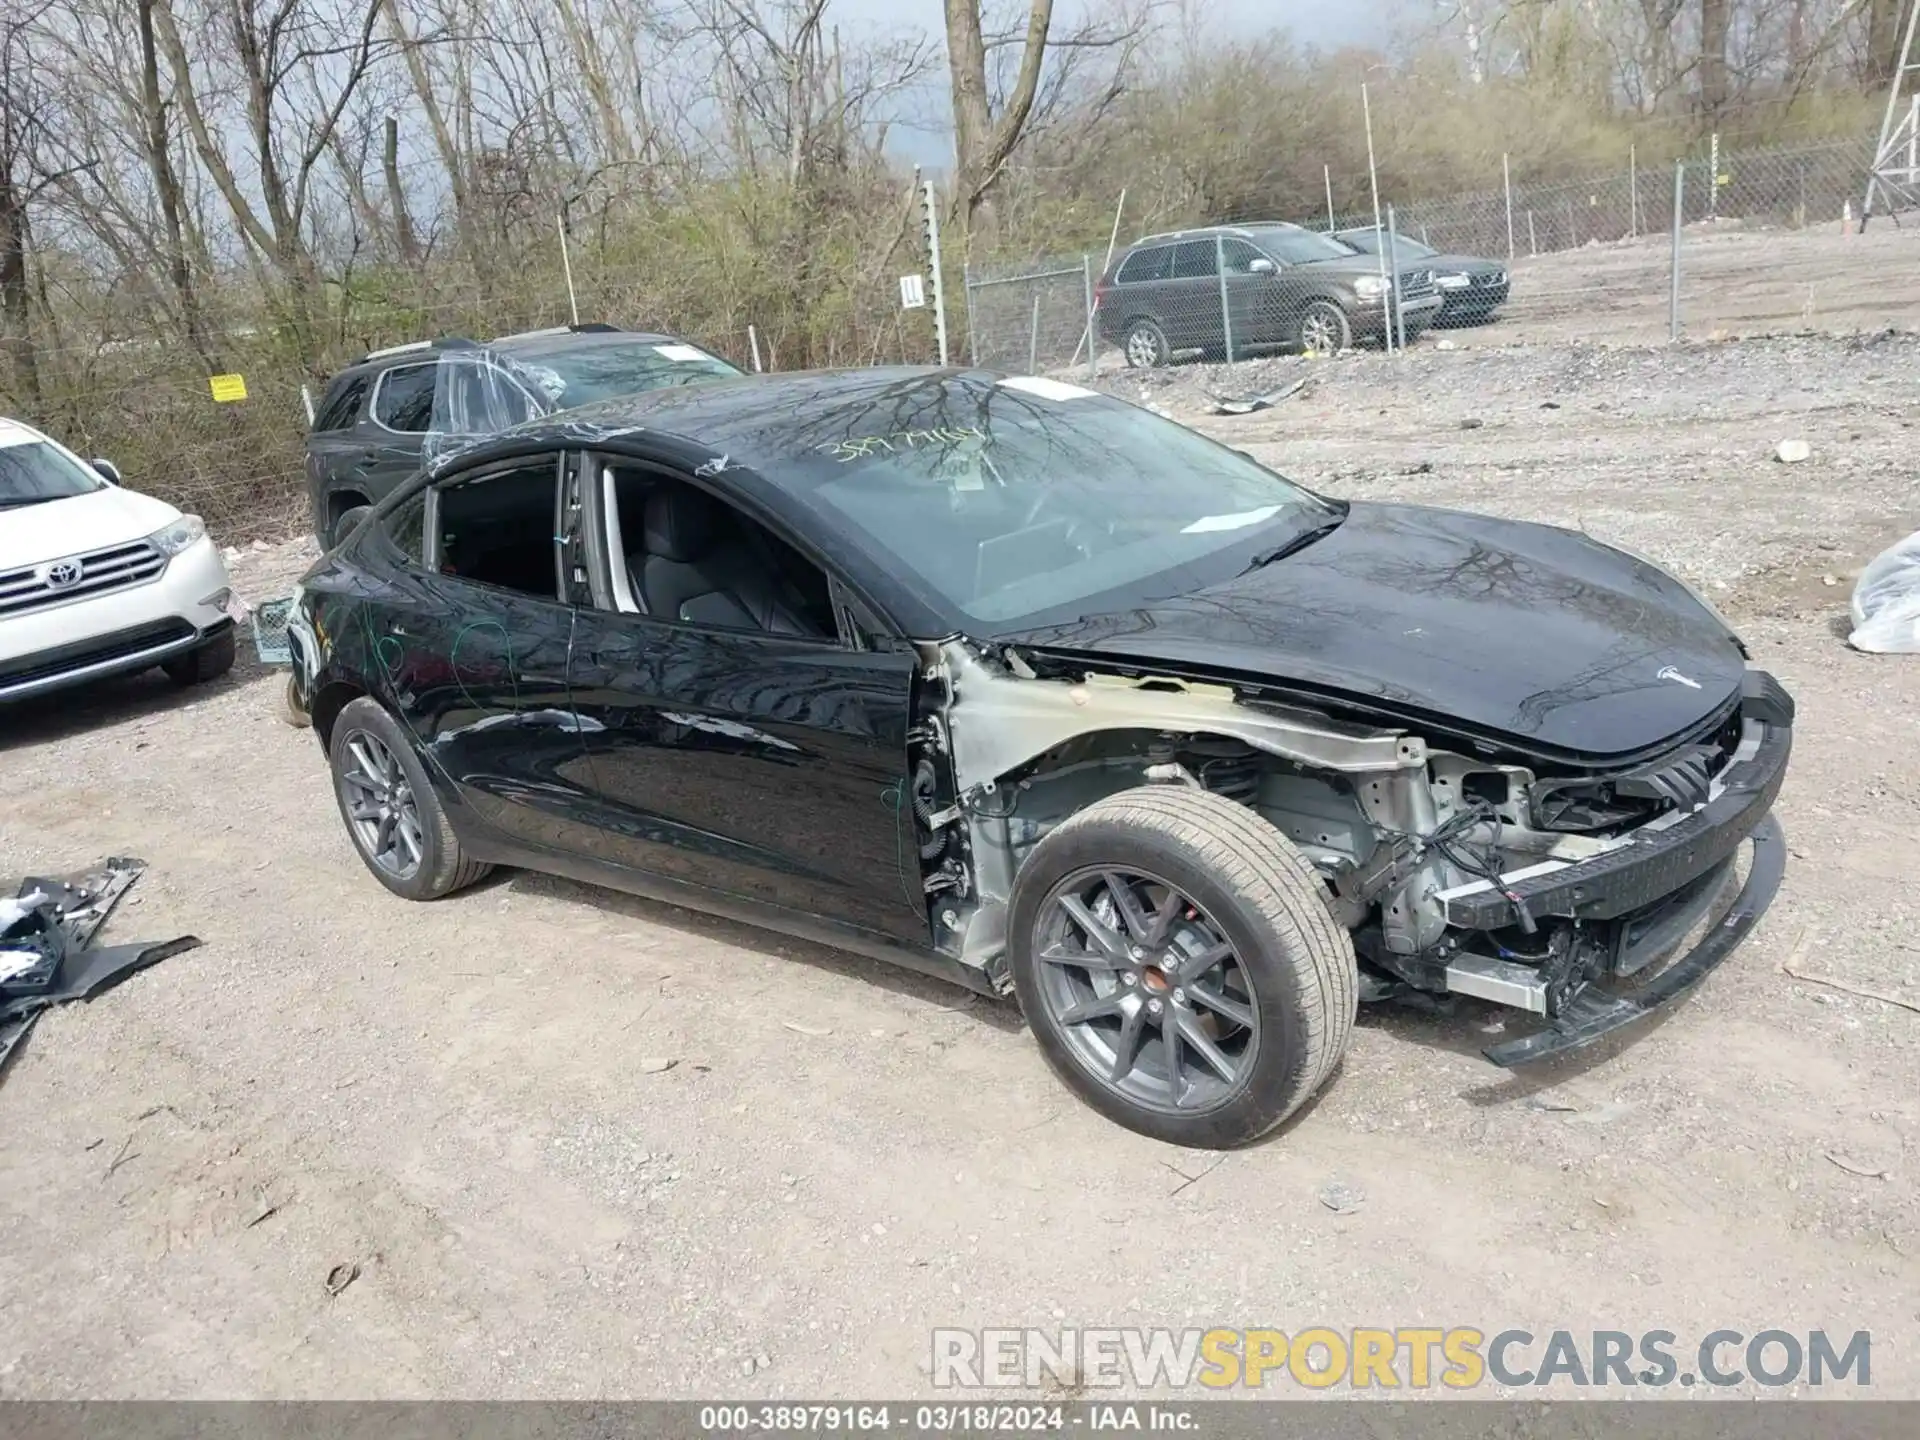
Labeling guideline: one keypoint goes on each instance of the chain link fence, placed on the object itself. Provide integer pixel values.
(1720, 244)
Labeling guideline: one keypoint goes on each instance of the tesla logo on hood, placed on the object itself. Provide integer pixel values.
(1669, 673)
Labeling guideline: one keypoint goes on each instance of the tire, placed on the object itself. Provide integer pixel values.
(1323, 329)
(291, 710)
(440, 867)
(205, 662)
(1146, 346)
(1297, 982)
(344, 526)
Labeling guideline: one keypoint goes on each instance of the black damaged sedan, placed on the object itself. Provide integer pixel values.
(1025, 687)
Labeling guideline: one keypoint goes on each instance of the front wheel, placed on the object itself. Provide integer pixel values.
(208, 661)
(1179, 966)
(392, 814)
(1324, 329)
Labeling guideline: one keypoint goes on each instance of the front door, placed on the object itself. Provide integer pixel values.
(743, 736)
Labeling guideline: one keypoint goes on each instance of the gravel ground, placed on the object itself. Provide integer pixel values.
(457, 1097)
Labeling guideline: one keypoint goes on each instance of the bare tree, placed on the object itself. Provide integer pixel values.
(983, 141)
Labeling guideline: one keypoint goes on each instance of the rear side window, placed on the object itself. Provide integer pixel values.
(342, 409)
(1196, 259)
(1154, 264)
(404, 401)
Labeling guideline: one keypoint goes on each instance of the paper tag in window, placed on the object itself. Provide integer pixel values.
(1207, 524)
(681, 354)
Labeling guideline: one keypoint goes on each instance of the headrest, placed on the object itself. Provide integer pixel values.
(681, 523)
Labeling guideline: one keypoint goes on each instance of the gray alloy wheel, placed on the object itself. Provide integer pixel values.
(1178, 964)
(1146, 345)
(382, 813)
(1147, 991)
(390, 808)
(1324, 329)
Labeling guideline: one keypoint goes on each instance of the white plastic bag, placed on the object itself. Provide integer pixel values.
(1886, 601)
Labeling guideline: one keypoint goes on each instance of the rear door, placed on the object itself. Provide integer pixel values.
(1193, 296)
(478, 665)
(335, 445)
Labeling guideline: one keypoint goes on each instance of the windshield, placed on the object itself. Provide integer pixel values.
(1020, 502)
(609, 371)
(1300, 247)
(34, 471)
(1368, 242)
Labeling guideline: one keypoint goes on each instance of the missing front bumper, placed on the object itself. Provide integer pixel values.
(1592, 1012)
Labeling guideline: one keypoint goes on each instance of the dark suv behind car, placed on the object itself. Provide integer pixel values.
(1230, 289)
(1470, 287)
(371, 427)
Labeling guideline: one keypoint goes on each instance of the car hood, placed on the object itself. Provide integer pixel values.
(30, 534)
(1530, 632)
(1462, 265)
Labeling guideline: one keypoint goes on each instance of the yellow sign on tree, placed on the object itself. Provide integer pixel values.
(228, 387)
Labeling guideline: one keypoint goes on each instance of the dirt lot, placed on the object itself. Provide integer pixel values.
(1734, 281)
(453, 1096)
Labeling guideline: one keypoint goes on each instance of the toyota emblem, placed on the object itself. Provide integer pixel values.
(62, 574)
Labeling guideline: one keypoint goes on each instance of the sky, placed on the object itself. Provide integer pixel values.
(1323, 23)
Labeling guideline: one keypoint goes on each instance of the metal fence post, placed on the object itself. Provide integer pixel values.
(1713, 181)
(1633, 192)
(1093, 330)
(1327, 174)
(1533, 238)
(973, 330)
(1226, 312)
(1033, 337)
(1395, 317)
(1679, 216)
(1506, 171)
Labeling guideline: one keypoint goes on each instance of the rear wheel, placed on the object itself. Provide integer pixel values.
(1146, 345)
(349, 520)
(391, 812)
(1179, 966)
(208, 661)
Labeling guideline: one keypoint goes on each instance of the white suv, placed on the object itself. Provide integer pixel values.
(96, 580)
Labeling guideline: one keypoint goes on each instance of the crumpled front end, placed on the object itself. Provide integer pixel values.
(1574, 893)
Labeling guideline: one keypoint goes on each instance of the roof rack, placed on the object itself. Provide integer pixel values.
(444, 342)
(593, 328)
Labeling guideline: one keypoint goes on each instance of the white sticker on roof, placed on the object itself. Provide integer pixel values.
(1047, 389)
(681, 354)
(1207, 524)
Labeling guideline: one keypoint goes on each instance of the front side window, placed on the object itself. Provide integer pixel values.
(1240, 256)
(498, 528)
(33, 472)
(1196, 260)
(1020, 502)
(404, 401)
(684, 556)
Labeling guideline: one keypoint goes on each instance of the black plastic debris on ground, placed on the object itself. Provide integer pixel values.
(46, 935)
(1224, 406)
